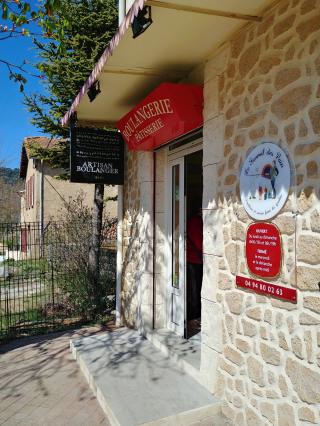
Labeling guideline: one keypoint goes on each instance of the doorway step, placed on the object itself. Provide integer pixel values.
(137, 384)
(186, 354)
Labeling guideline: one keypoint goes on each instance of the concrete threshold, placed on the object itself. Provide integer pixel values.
(185, 353)
(137, 384)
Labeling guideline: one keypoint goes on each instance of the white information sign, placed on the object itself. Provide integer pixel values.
(265, 181)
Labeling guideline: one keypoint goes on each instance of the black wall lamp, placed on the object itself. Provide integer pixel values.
(142, 21)
(94, 91)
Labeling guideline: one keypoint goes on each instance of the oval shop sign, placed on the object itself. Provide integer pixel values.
(265, 181)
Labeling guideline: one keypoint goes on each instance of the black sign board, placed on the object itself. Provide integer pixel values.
(96, 156)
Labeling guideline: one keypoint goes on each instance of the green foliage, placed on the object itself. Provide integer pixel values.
(20, 13)
(17, 16)
(80, 33)
(27, 268)
(10, 202)
(56, 156)
(11, 244)
(8, 175)
(70, 255)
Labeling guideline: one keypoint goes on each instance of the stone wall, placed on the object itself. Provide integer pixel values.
(264, 85)
(137, 269)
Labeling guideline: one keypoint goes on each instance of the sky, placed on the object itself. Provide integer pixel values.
(14, 117)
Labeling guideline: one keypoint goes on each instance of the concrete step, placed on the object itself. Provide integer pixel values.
(136, 384)
(185, 353)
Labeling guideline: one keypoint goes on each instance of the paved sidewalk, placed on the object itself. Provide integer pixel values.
(41, 384)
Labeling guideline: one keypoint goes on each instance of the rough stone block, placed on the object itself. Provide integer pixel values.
(145, 292)
(243, 345)
(307, 414)
(234, 301)
(277, 303)
(283, 25)
(305, 381)
(286, 415)
(309, 26)
(282, 341)
(210, 277)
(211, 98)
(217, 64)
(249, 329)
(213, 241)
(211, 325)
(228, 367)
(255, 371)
(210, 193)
(213, 140)
(315, 221)
(240, 421)
(146, 198)
(233, 355)
(238, 231)
(308, 344)
(248, 59)
(270, 354)
(209, 369)
(145, 166)
(225, 282)
(267, 410)
(253, 419)
(283, 386)
(296, 345)
(254, 313)
(312, 303)
(232, 255)
(286, 76)
(308, 249)
(306, 319)
(286, 224)
(290, 103)
(307, 278)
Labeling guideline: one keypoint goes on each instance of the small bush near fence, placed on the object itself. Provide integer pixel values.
(46, 287)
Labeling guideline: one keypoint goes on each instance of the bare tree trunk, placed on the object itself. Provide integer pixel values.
(94, 250)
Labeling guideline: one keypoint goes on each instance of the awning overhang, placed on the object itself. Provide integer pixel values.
(169, 111)
(179, 39)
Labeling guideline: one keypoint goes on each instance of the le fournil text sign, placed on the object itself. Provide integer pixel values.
(96, 156)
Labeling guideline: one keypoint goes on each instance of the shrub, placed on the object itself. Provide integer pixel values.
(68, 250)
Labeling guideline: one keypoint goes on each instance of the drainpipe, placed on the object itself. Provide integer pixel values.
(121, 11)
(119, 254)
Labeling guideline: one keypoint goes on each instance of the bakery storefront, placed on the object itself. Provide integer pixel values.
(164, 131)
(220, 116)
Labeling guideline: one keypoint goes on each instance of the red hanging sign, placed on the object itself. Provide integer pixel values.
(263, 250)
(169, 111)
(269, 289)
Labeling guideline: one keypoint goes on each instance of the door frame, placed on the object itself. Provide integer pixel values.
(174, 157)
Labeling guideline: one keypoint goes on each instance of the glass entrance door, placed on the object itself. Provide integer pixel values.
(184, 219)
(176, 288)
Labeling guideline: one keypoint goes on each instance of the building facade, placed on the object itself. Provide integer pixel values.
(45, 197)
(260, 353)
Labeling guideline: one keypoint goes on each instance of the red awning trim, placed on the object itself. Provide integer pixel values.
(127, 21)
(168, 112)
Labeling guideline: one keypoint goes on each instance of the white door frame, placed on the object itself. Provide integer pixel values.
(176, 157)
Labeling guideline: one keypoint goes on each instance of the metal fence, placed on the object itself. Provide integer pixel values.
(43, 277)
